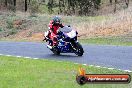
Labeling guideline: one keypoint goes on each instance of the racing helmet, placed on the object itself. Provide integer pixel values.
(56, 20)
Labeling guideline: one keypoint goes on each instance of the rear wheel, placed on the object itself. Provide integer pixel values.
(56, 51)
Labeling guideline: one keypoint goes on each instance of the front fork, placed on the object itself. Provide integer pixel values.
(73, 45)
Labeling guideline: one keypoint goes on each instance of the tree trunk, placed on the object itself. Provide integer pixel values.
(110, 2)
(60, 10)
(115, 6)
(6, 3)
(25, 5)
(14, 1)
(29, 1)
(127, 3)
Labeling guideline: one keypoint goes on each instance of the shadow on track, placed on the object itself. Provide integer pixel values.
(63, 56)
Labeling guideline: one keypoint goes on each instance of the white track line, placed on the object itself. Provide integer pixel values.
(127, 71)
(1, 54)
(74, 63)
(18, 56)
(104, 67)
(27, 57)
(84, 64)
(91, 65)
(98, 66)
(8, 55)
(35, 58)
(111, 68)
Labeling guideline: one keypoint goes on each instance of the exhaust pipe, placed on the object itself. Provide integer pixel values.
(48, 46)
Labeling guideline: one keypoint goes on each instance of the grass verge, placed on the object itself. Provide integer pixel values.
(28, 73)
(107, 41)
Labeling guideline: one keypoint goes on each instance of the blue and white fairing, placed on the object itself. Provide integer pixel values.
(66, 34)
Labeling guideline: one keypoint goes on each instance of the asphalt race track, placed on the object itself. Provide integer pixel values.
(119, 57)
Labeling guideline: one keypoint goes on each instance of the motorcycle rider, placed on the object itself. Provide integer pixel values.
(54, 25)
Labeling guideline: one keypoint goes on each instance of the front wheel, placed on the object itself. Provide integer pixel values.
(78, 49)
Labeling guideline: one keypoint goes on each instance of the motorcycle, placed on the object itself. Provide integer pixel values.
(66, 42)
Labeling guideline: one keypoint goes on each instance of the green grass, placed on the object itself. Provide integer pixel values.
(107, 41)
(29, 73)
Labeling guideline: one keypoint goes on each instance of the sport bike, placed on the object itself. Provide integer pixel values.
(66, 42)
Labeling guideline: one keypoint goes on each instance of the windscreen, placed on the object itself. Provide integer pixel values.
(65, 29)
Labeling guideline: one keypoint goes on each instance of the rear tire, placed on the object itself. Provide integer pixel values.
(56, 51)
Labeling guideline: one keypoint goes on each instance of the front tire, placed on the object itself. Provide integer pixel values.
(78, 49)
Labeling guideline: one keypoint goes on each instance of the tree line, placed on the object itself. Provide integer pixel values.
(74, 7)
(67, 7)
